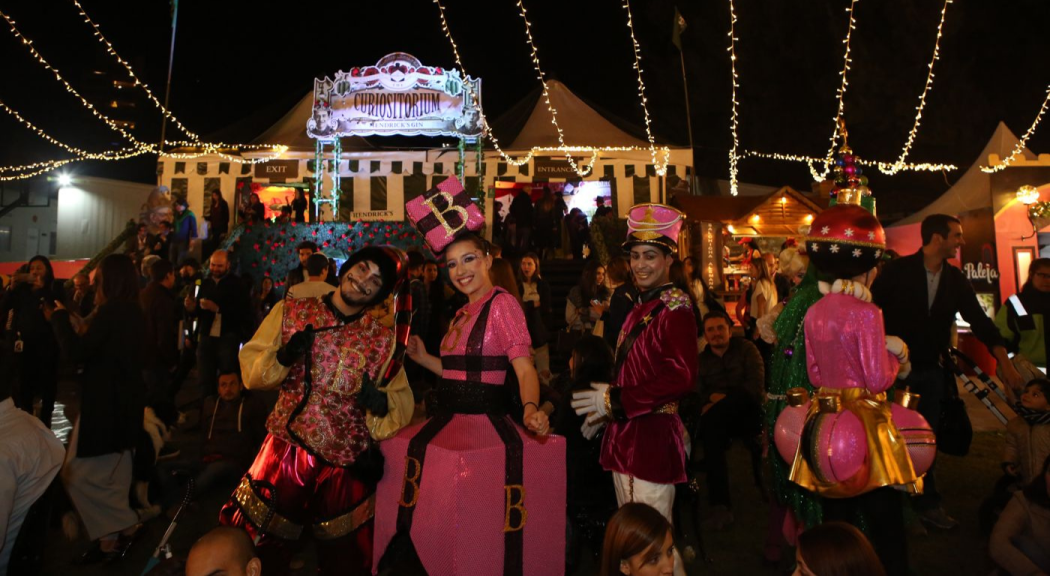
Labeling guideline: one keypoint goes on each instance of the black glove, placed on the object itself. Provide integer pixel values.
(297, 345)
(371, 398)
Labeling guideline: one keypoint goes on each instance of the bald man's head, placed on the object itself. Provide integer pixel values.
(225, 551)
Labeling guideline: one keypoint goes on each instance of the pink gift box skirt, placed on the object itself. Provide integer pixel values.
(458, 523)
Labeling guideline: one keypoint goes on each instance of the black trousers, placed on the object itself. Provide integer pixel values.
(880, 513)
(735, 416)
(38, 377)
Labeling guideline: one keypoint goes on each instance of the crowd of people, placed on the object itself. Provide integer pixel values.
(299, 391)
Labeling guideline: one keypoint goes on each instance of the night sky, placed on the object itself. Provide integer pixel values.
(246, 64)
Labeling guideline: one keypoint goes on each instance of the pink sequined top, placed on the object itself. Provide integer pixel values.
(846, 345)
(505, 335)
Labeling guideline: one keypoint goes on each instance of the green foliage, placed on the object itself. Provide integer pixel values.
(607, 234)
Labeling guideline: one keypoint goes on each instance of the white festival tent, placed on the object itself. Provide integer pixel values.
(377, 181)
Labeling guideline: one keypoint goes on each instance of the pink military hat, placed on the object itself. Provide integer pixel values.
(653, 224)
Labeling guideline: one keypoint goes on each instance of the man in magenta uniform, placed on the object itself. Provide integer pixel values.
(656, 366)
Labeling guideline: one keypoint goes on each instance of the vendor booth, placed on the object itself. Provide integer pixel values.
(725, 231)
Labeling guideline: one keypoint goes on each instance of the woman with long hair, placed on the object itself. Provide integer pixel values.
(1023, 326)
(98, 468)
(299, 205)
(836, 549)
(624, 294)
(638, 542)
(589, 299)
(536, 299)
(502, 274)
(34, 344)
(218, 222)
(484, 352)
(1019, 540)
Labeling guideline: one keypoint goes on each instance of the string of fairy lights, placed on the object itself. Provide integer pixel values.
(131, 73)
(841, 94)
(734, 120)
(30, 170)
(899, 164)
(660, 171)
(586, 170)
(1003, 164)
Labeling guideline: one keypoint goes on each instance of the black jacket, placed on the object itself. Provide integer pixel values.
(112, 391)
(234, 305)
(900, 290)
(162, 326)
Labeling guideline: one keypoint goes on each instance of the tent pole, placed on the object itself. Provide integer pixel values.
(171, 63)
(688, 122)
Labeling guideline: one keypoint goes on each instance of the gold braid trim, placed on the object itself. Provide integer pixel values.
(342, 525)
(256, 510)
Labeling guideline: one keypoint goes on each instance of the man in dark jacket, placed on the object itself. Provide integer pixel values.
(185, 230)
(162, 330)
(223, 312)
(305, 249)
(920, 296)
(521, 210)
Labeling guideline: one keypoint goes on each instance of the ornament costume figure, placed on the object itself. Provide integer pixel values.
(341, 390)
(656, 367)
(470, 491)
(850, 445)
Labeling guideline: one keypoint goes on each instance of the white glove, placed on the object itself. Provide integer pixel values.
(898, 348)
(591, 430)
(903, 371)
(591, 403)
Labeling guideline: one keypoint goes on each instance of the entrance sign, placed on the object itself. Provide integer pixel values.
(396, 96)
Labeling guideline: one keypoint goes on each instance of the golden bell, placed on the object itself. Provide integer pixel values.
(797, 396)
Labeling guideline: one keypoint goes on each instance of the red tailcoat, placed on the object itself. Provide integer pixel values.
(659, 370)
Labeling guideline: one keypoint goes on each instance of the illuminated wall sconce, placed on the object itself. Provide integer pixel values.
(1028, 195)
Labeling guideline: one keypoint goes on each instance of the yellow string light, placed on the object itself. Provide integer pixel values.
(735, 117)
(58, 76)
(660, 170)
(1003, 164)
(38, 168)
(131, 73)
(922, 98)
(546, 94)
(72, 149)
(841, 96)
(474, 96)
(920, 167)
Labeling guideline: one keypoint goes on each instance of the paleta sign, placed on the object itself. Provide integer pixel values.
(397, 96)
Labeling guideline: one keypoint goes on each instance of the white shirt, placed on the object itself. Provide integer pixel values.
(310, 289)
(933, 281)
(30, 458)
(768, 289)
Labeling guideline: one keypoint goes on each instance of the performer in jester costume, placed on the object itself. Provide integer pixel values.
(342, 389)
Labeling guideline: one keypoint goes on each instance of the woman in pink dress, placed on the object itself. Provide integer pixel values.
(470, 491)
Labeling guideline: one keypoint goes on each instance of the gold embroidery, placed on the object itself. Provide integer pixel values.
(256, 510)
(342, 525)
(457, 328)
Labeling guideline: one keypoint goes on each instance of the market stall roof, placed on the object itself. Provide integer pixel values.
(528, 124)
(973, 189)
(779, 213)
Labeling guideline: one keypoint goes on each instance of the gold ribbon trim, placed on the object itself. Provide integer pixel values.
(257, 510)
(342, 525)
(669, 408)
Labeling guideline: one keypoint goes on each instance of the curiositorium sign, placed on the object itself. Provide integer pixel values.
(399, 95)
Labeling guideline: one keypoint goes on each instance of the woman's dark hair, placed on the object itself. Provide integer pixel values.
(475, 240)
(535, 275)
(49, 274)
(1036, 492)
(838, 549)
(679, 278)
(618, 270)
(214, 192)
(632, 530)
(589, 287)
(1043, 384)
(1035, 266)
(120, 280)
(592, 362)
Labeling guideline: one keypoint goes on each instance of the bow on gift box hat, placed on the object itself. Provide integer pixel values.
(654, 225)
